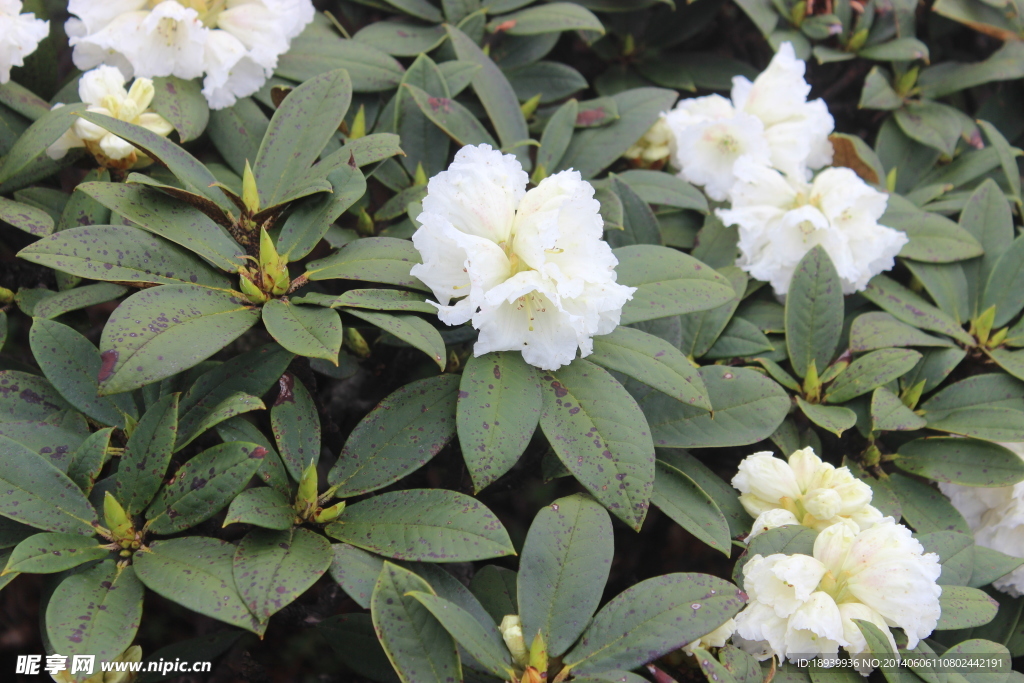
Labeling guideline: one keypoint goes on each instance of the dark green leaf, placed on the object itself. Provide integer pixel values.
(451, 117)
(483, 642)
(196, 572)
(689, 506)
(835, 419)
(910, 308)
(304, 330)
(599, 433)
(889, 414)
(564, 567)
(203, 486)
(964, 607)
(638, 221)
(32, 144)
(262, 507)
(237, 132)
(88, 459)
(814, 312)
(552, 81)
(401, 38)
(25, 397)
(557, 134)
(371, 259)
(878, 330)
(312, 218)
(429, 525)
(968, 462)
(497, 413)
(25, 217)
(273, 568)
(986, 216)
(296, 426)
(656, 187)
(182, 104)
(925, 508)
(411, 329)
(873, 370)
(147, 454)
(51, 553)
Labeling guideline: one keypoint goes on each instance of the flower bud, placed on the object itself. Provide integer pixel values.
(512, 633)
(118, 521)
(329, 514)
(305, 499)
(250, 195)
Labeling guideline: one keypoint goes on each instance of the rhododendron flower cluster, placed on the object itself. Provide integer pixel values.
(103, 90)
(758, 151)
(996, 516)
(807, 605)
(19, 37)
(805, 490)
(528, 268)
(234, 43)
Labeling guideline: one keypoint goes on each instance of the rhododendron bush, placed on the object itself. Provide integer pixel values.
(512, 340)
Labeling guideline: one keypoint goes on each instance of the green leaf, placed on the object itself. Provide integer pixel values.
(597, 112)
(421, 9)
(51, 553)
(88, 459)
(376, 300)
(428, 525)
(878, 645)
(237, 132)
(273, 568)
(252, 373)
(288, 149)
(701, 330)
(557, 134)
(54, 443)
(1007, 157)
(947, 286)
(946, 77)
(1011, 361)
(747, 406)
(598, 432)
(933, 238)
(656, 187)
(878, 330)
(496, 95)
(497, 412)
(414, 122)
(990, 565)
(40, 495)
(25, 217)
(25, 397)
(356, 571)
(161, 331)
(171, 219)
(147, 454)
(451, 117)
(986, 216)
(925, 508)
(196, 572)
(724, 495)
(739, 338)
(304, 330)
(594, 149)
(889, 414)
(668, 283)
(689, 506)
(371, 259)
(401, 38)
(406, 430)
(968, 462)
(1005, 286)
(835, 419)
(485, 645)
(557, 16)
(956, 555)
(32, 143)
(296, 426)
(72, 363)
(986, 406)
(203, 486)
(75, 299)
(552, 81)
(792, 539)
(182, 104)
(307, 224)
(638, 221)
(196, 178)
(814, 312)
(930, 123)
(964, 607)
(875, 369)
(262, 507)
(908, 307)
(122, 253)
(654, 362)
(95, 612)
(564, 566)
(417, 645)
(272, 471)
(878, 92)
(319, 49)
(411, 329)
(651, 618)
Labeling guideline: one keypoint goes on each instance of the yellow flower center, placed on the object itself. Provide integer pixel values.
(208, 10)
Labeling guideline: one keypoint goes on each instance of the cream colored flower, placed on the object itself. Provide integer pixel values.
(996, 516)
(654, 146)
(528, 268)
(804, 605)
(19, 36)
(103, 90)
(717, 638)
(235, 43)
(781, 218)
(803, 490)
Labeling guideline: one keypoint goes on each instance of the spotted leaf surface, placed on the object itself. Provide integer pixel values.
(161, 331)
(429, 525)
(146, 456)
(273, 568)
(598, 432)
(196, 572)
(50, 553)
(407, 429)
(309, 331)
(27, 397)
(296, 426)
(203, 486)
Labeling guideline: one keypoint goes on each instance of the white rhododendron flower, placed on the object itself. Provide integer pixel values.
(996, 516)
(103, 90)
(768, 121)
(781, 218)
(20, 35)
(655, 145)
(717, 638)
(235, 43)
(805, 490)
(528, 268)
(805, 605)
